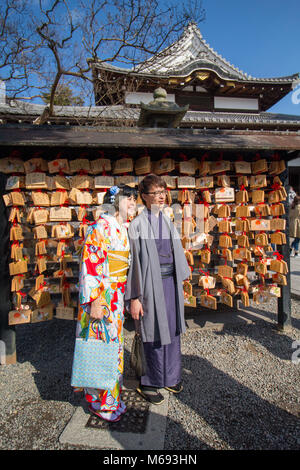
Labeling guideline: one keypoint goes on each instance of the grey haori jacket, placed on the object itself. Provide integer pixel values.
(144, 279)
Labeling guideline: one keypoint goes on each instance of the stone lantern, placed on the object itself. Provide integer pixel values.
(160, 112)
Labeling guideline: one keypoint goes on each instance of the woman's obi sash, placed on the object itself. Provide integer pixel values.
(118, 263)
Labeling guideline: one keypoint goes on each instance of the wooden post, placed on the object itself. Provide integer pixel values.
(284, 302)
(7, 333)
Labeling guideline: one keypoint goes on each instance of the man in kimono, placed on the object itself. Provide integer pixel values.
(154, 291)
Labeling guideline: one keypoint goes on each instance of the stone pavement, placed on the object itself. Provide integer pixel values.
(78, 430)
(82, 429)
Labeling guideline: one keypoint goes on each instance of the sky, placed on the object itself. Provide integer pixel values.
(260, 37)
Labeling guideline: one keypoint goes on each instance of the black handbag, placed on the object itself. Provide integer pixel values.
(137, 355)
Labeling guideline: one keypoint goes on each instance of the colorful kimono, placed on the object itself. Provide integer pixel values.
(98, 280)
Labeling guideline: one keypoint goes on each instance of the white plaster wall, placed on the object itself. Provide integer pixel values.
(137, 97)
(236, 103)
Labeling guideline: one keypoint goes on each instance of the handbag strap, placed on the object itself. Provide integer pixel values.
(107, 337)
(137, 327)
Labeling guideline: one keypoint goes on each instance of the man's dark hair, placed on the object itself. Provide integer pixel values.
(149, 181)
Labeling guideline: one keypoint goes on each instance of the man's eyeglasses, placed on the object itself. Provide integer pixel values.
(158, 193)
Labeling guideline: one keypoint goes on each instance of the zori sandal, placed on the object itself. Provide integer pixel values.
(175, 388)
(122, 408)
(151, 394)
(106, 415)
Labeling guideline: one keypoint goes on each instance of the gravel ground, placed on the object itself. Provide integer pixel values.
(240, 387)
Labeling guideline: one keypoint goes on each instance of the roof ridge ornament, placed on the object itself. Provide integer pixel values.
(192, 26)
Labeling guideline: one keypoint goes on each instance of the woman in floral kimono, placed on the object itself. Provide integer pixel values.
(103, 274)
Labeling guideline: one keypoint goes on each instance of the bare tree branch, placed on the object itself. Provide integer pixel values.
(42, 43)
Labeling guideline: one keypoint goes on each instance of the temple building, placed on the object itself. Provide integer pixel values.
(218, 94)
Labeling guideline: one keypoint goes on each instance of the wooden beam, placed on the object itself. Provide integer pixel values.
(116, 137)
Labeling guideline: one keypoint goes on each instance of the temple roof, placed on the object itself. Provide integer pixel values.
(24, 112)
(190, 53)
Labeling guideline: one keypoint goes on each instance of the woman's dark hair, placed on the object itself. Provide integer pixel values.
(113, 197)
(149, 181)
